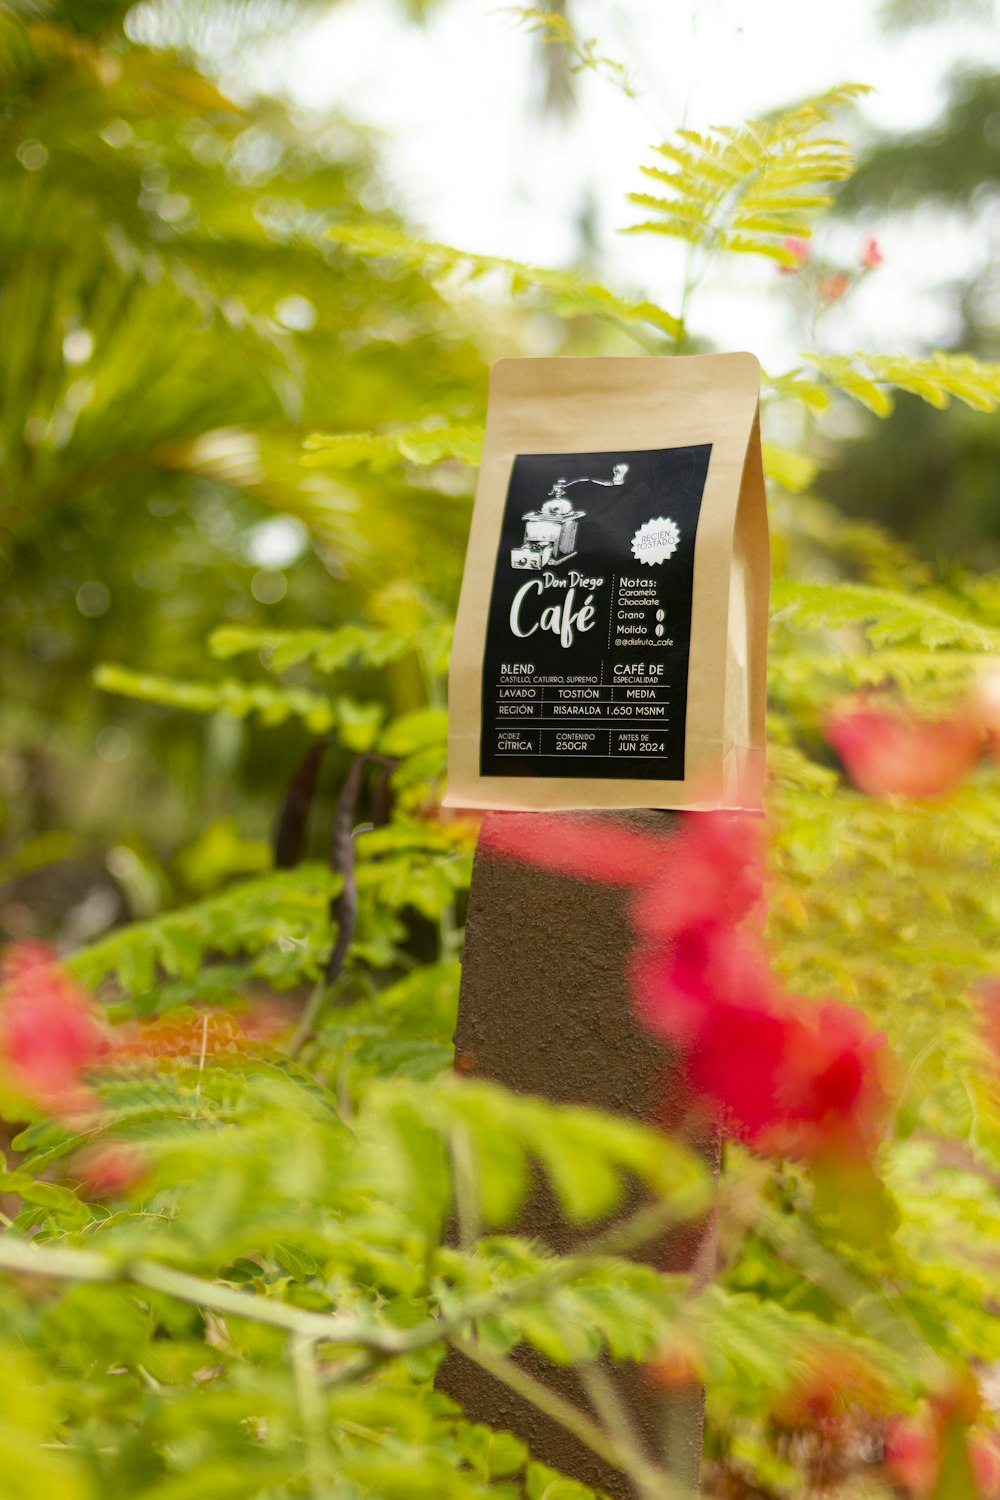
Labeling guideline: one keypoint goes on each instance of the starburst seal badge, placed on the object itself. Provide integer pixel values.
(656, 540)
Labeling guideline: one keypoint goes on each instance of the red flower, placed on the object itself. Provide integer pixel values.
(832, 288)
(708, 872)
(832, 1085)
(586, 847)
(916, 1448)
(49, 1032)
(871, 256)
(799, 250)
(984, 1453)
(911, 1454)
(702, 971)
(738, 1065)
(679, 1364)
(989, 993)
(714, 876)
(828, 1384)
(110, 1168)
(888, 751)
(781, 1072)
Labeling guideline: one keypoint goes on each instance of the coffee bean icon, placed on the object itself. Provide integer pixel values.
(660, 616)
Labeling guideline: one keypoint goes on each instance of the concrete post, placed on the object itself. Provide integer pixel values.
(545, 1009)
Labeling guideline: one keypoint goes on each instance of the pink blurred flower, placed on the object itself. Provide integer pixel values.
(985, 707)
(890, 752)
(911, 1454)
(799, 249)
(679, 1364)
(871, 255)
(989, 1014)
(984, 1455)
(678, 985)
(832, 288)
(915, 1446)
(49, 1031)
(714, 877)
(586, 847)
(833, 1087)
(826, 1387)
(781, 1072)
(110, 1168)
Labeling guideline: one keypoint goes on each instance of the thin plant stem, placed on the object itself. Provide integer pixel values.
(201, 1065)
(463, 1172)
(607, 1403)
(309, 1017)
(63, 1263)
(309, 1396)
(350, 1369)
(651, 1482)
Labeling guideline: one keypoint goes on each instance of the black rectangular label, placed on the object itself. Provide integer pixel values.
(589, 632)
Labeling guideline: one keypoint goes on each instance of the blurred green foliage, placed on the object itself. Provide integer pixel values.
(174, 321)
(933, 483)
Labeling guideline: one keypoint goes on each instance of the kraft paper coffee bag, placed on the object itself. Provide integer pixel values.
(610, 647)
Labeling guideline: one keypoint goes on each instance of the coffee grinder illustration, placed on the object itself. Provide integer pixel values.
(550, 532)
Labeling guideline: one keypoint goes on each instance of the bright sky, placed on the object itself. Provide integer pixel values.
(474, 162)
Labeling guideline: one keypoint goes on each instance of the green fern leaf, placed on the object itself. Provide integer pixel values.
(331, 651)
(752, 1345)
(935, 379)
(569, 291)
(355, 724)
(806, 681)
(286, 912)
(889, 618)
(421, 446)
(586, 1155)
(793, 471)
(748, 189)
(794, 386)
(847, 375)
